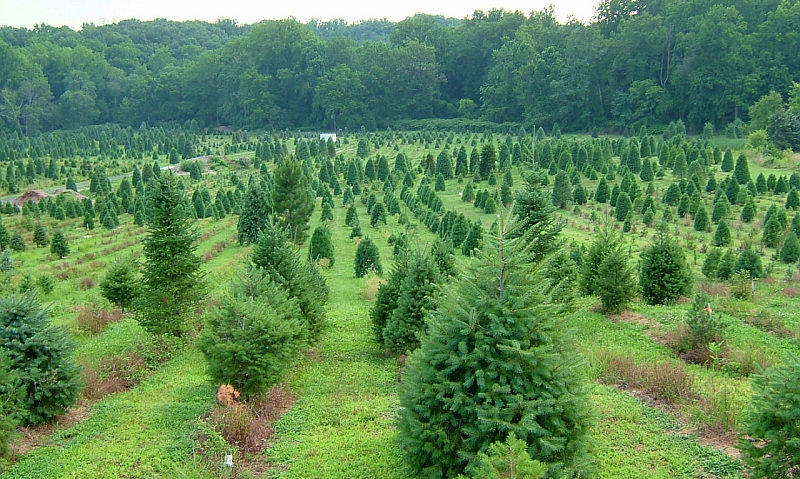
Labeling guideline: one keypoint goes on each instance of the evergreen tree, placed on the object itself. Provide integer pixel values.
(701, 219)
(750, 262)
(673, 195)
(17, 242)
(601, 194)
(770, 442)
(256, 209)
(172, 283)
(10, 404)
(615, 282)
(5, 238)
(721, 209)
(773, 232)
(121, 284)
(624, 206)
(490, 206)
(407, 323)
(711, 263)
(494, 361)
(41, 355)
(741, 172)
(284, 265)
(792, 200)
(748, 212)
(561, 190)
(727, 161)
(726, 266)
(647, 171)
(59, 245)
(468, 195)
(680, 169)
(321, 245)
(251, 339)
(71, 185)
(605, 241)
(40, 237)
(723, 235)
(387, 297)
(507, 460)
(292, 199)
(367, 258)
(579, 195)
(488, 160)
(790, 251)
(351, 218)
(761, 184)
(378, 215)
(327, 212)
(473, 240)
(665, 276)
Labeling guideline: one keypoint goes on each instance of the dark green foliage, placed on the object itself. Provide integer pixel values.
(40, 357)
(790, 251)
(121, 285)
(253, 336)
(302, 280)
(351, 218)
(416, 299)
(770, 442)
(741, 172)
(726, 265)
(579, 195)
(711, 263)
(172, 284)
(59, 245)
(494, 361)
(10, 398)
(647, 171)
(562, 191)
(507, 460)
(327, 212)
(615, 283)
(623, 206)
(702, 327)
(673, 195)
(368, 258)
(40, 237)
(748, 212)
(761, 184)
(488, 160)
(535, 218)
(321, 245)
(665, 276)
(701, 222)
(792, 200)
(721, 209)
(378, 215)
(727, 161)
(490, 207)
(256, 209)
(292, 199)
(468, 195)
(386, 299)
(773, 232)
(602, 193)
(750, 262)
(723, 235)
(473, 240)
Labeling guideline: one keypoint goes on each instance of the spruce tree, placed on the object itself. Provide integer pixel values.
(59, 245)
(494, 361)
(624, 205)
(773, 232)
(770, 442)
(468, 195)
(741, 172)
(417, 298)
(42, 356)
(292, 200)
(387, 297)
(284, 265)
(727, 161)
(256, 209)
(615, 282)
(701, 219)
(473, 240)
(750, 262)
(5, 238)
(726, 266)
(720, 210)
(711, 263)
(673, 195)
(665, 276)
(601, 194)
(172, 283)
(790, 250)
(252, 338)
(748, 212)
(792, 200)
(321, 245)
(368, 258)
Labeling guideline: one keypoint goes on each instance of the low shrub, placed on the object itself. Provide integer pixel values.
(94, 319)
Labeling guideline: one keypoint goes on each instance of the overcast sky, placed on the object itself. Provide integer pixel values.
(74, 13)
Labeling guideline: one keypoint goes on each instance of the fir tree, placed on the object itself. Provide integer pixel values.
(790, 250)
(468, 195)
(673, 195)
(748, 212)
(255, 213)
(367, 258)
(284, 265)
(722, 237)
(172, 280)
(473, 240)
(292, 199)
(40, 237)
(773, 232)
(647, 171)
(378, 215)
(761, 184)
(741, 172)
(615, 283)
(59, 245)
(701, 219)
(624, 206)
(727, 161)
(561, 190)
(711, 263)
(601, 194)
(5, 238)
(665, 276)
(488, 160)
(407, 323)
(321, 245)
(48, 378)
(387, 297)
(721, 209)
(251, 339)
(516, 369)
(792, 200)
(351, 218)
(726, 266)
(121, 284)
(17, 242)
(750, 262)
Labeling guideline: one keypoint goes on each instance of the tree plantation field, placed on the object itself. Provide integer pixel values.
(295, 247)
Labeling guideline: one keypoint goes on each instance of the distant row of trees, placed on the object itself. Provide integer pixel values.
(636, 63)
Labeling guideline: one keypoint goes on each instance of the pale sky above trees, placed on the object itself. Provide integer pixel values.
(74, 13)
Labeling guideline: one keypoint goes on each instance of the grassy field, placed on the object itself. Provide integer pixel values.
(649, 422)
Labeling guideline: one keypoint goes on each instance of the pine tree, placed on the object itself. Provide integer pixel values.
(726, 266)
(615, 283)
(722, 237)
(172, 280)
(624, 206)
(121, 284)
(721, 209)
(647, 171)
(40, 237)
(468, 195)
(701, 219)
(417, 298)
(773, 232)
(387, 297)
(606, 240)
(321, 245)
(368, 258)
(351, 218)
(5, 238)
(59, 245)
(284, 265)
(494, 361)
(252, 338)
(42, 356)
(750, 262)
(601, 194)
(256, 209)
(292, 199)
(711, 263)
(727, 161)
(761, 184)
(10, 404)
(680, 169)
(770, 442)
(487, 161)
(378, 215)
(792, 200)
(748, 212)
(790, 250)
(473, 240)
(665, 276)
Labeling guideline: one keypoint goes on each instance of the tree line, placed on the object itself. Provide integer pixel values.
(636, 63)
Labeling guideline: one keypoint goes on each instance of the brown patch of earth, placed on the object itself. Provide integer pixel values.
(32, 437)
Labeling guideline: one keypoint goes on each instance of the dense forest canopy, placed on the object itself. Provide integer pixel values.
(640, 62)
